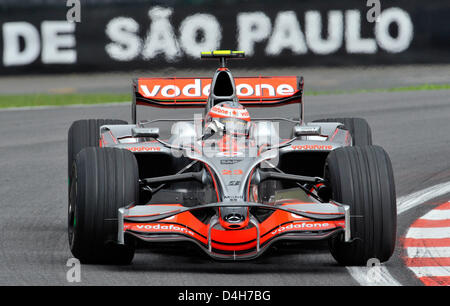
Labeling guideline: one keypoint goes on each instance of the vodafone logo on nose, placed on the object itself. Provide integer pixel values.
(199, 88)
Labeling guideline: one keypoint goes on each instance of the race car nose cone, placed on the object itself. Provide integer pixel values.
(234, 218)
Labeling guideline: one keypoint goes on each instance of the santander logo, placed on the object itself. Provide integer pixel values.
(199, 88)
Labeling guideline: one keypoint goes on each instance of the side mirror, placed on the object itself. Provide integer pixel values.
(307, 130)
(145, 132)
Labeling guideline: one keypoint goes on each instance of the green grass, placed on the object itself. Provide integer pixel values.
(8, 101)
(394, 89)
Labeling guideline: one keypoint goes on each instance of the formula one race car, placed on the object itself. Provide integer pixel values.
(225, 181)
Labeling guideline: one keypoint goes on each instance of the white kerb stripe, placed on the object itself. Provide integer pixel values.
(414, 252)
(431, 271)
(412, 200)
(428, 232)
(436, 214)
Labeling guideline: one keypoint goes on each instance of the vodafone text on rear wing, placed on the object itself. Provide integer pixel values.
(262, 91)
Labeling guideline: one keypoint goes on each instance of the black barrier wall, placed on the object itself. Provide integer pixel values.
(128, 35)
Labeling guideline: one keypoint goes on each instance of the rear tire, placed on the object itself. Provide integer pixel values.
(358, 128)
(104, 180)
(362, 178)
(83, 134)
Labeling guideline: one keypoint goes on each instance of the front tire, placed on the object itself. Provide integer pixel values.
(104, 180)
(362, 178)
(83, 134)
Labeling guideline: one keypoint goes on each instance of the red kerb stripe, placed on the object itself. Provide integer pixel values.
(441, 242)
(436, 280)
(444, 206)
(427, 262)
(431, 223)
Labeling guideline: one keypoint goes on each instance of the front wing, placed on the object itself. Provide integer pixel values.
(289, 221)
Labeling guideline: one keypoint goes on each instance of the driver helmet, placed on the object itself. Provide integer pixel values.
(232, 116)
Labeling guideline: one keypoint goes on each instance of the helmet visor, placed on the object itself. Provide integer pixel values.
(234, 126)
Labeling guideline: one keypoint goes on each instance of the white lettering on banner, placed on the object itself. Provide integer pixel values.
(204, 24)
(12, 32)
(353, 41)
(252, 28)
(405, 30)
(161, 38)
(126, 44)
(57, 43)
(313, 28)
(324, 33)
(286, 35)
(200, 32)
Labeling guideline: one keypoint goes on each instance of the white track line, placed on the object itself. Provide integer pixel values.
(428, 232)
(428, 252)
(436, 214)
(414, 199)
(431, 271)
(404, 203)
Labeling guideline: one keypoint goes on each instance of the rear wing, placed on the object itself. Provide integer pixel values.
(259, 91)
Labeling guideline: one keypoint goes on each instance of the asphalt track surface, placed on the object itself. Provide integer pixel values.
(413, 127)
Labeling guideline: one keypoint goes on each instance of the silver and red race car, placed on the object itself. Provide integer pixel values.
(225, 180)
